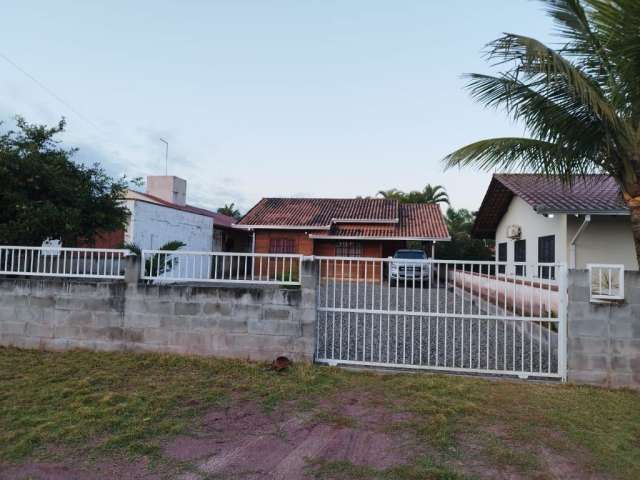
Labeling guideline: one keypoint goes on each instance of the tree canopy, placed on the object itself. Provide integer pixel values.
(45, 194)
(579, 103)
(462, 245)
(430, 194)
(230, 210)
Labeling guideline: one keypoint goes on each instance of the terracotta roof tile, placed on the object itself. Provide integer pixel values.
(318, 212)
(589, 194)
(358, 217)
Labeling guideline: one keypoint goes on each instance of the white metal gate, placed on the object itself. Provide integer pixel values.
(459, 316)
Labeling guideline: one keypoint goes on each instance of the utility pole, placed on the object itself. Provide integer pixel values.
(166, 154)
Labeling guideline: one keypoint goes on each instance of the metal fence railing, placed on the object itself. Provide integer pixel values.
(480, 317)
(222, 267)
(63, 262)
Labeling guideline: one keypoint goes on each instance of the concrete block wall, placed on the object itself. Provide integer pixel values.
(247, 322)
(603, 339)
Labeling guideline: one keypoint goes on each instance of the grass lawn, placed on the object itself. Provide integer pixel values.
(135, 411)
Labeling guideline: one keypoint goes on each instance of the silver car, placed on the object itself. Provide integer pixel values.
(409, 265)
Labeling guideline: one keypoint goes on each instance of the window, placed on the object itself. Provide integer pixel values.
(520, 255)
(348, 249)
(547, 254)
(606, 282)
(282, 245)
(502, 256)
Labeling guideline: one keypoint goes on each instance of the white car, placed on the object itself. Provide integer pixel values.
(409, 265)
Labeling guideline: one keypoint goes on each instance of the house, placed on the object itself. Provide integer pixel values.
(161, 214)
(536, 219)
(350, 227)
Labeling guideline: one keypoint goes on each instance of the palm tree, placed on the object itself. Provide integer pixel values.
(430, 194)
(159, 262)
(392, 194)
(580, 104)
(435, 194)
(230, 210)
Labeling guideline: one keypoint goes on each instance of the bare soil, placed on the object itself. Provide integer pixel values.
(244, 441)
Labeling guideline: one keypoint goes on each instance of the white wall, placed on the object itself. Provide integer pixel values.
(153, 225)
(533, 226)
(606, 239)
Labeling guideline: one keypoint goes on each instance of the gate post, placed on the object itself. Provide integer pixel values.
(132, 270)
(309, 286)
(563, 299)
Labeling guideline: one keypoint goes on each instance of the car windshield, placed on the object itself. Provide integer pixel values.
(410, 254)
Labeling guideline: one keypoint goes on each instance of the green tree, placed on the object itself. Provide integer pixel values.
(45, 194)
(580, 103)
(462, 245)
(430, 194)
(230, 210)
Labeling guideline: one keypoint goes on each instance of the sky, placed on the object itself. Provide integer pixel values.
(313, 98)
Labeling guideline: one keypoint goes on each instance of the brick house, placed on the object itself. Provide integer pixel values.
(355, 227)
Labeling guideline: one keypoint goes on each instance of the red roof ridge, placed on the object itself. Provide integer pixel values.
(360, 216)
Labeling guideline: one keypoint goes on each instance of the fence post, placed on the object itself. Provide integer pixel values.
(563, 298)
(132, 270)
(309, 286)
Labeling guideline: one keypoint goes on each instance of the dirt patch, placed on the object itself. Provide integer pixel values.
(567, 467)
(280, 444)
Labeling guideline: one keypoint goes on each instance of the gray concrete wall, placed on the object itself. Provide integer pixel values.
(253, 322)
(603, 339)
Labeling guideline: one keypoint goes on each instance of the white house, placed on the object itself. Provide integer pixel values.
(537, 219)
(161, 214)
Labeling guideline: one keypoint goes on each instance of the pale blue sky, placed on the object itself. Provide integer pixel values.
(264, 98)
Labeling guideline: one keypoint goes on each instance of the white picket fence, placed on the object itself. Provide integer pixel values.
(63, 262)
(220, 267)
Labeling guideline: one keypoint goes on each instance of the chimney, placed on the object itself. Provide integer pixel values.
(169, 188)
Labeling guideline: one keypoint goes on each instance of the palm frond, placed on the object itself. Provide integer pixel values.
(550, 114)
(536, 63)
(573, 23)
(616, 24)
(173, 245)
(523, 154)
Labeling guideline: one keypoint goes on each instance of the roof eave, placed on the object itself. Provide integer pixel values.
(549, 211)
(280, 227)
(370, 237)
(364, 220)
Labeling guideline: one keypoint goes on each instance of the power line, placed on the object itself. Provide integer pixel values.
(49, 91)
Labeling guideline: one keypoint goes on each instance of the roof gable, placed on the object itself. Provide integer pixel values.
(589, 194)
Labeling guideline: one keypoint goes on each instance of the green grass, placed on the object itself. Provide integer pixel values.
(126, 404)
(124, 401)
